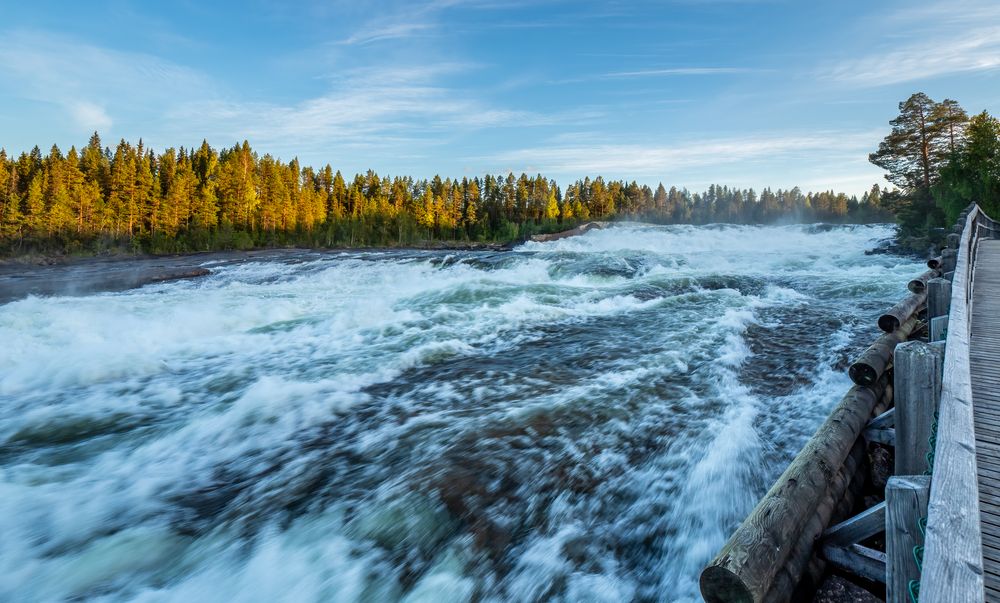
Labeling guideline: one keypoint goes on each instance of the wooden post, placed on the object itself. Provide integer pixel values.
(948, 259)
(938, 297)
(917, 388)
(905, 504)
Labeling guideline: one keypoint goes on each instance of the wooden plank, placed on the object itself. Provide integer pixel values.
(987, 432)
(884, 420)
(992, 541)
(863, 525)
(988, 464)
(906, 503)
(938, 327)
(881, 436)
(984, 361)
(953, 555)
(938, 298)
(916, 390)
(858, 560)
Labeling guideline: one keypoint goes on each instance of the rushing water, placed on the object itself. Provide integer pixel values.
(583, 420)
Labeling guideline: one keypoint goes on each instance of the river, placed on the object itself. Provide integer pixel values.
(580, 420)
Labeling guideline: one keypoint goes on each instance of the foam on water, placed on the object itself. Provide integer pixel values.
(582, 420)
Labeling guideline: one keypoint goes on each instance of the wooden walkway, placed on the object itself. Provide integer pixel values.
(985, 371)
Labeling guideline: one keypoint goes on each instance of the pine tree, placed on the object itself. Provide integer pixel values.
(973, 174)
(34, 215)
(552, 207)
(922, 136)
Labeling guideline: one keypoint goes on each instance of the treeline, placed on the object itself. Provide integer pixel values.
(200, 199)
(942, 161)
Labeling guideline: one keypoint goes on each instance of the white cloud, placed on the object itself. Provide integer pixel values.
(659, 160)
(939, 39)
(390, 108)
(682, 71)
(88, 81)
(90, 116)
(144, 95)
(367, 35)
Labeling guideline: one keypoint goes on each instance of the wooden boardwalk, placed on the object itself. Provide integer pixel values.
(985, 371)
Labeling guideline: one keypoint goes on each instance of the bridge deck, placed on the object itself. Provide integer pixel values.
(985, 368)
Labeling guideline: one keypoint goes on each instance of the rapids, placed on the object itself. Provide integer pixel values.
(581, 420)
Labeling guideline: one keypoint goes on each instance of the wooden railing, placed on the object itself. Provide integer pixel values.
(782, 548)
(953, 556)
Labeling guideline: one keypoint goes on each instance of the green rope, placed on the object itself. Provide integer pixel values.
(931, 446)
(918, 558)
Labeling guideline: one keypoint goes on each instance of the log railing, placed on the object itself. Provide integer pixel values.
(783, 546)
(953, 557)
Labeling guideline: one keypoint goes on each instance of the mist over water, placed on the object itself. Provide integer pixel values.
(583, 420)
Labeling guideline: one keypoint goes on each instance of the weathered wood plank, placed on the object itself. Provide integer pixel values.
(906, 503)
(859, 560)
(984, 367)
(938, 297)
(953, 557)
(885, 436)
(863, 525)
(917, 369)
(884, 420)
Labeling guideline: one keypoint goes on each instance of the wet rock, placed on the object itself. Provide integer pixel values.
(914, 247)
(882, 465)
(579, 230)
(838, 590)
(178, 274)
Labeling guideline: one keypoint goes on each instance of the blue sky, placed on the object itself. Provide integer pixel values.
(690, 92)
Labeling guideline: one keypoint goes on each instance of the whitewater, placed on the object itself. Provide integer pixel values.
(581, 420)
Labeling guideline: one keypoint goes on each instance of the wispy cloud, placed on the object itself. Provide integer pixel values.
(636, 160)
(388, 32)
(403, 20)
(385, 107)
(87, 80)
(90, 116)
(653, 73)
(374, 107)
(941, 39)
(681, 71)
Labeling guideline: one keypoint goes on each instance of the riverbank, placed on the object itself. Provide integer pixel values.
(47, 274)
(83, 275)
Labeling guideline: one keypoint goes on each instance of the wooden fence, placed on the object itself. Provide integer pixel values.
(909, 394)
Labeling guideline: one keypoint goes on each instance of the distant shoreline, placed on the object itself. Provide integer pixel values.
(84, 275)
(48, 275)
